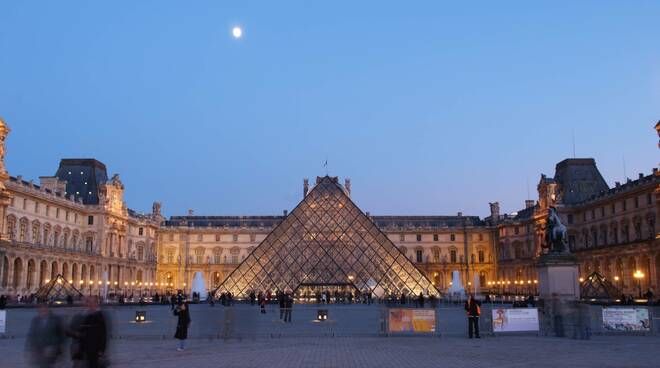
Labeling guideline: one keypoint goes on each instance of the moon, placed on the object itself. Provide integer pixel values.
(237, 32)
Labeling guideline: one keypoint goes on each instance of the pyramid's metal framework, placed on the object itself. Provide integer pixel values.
(327, 240)
(57, 289)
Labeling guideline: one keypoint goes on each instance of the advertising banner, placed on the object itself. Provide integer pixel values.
(626, 319)
(3, 321)
(411, 320)
(515, 320)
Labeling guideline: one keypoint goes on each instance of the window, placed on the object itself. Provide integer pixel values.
(452, 255)
(253, 237)
(649, 198)
(200, 237)
(140, 231)
(66, 216)
(217, 237)
(602, 212)
(593, 214)
(199, 256)
(571, 241)
(613, 208)
(570, 219)
(235, 237)
(47, 210)
(636, 202)
(171, 237)
(436, 255)
(140, 252)
(89, 242)
(90, 220)
(435, 237)
(57, 213)
(481, 237)
(11, 227)
(419, 237)
(170, 256)
(419, 254)
(216, 256)
(516, 230)
(24, 204)
(452, 237)
(625, 205)
(35, 234)
(22, 231)
(402, 237)
(482, 256)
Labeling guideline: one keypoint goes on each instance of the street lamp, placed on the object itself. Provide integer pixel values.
(639, 275)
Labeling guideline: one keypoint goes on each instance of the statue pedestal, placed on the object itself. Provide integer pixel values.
(558, 277)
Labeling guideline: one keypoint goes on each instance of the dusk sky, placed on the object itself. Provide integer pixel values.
(429, 108)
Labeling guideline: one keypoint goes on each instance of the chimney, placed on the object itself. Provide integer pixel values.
(617, 184)
(655, 170)
(347, 185)
(529, 203)
(285, 213)
(368, 214)
(495, 211)
(460, 214)
(641, 175)
(190, 212)
(305, 187)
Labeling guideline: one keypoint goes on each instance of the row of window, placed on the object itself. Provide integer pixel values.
(58, 213)
(200, 237)
(199, 258)
(602, 212)
(453, 256)
(436, 237)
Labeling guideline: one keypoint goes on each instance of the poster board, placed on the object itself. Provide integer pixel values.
(626, 319)
(405, 320)
(515, 320)
(3, 321)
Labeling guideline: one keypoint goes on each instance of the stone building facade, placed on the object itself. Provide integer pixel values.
(77, 224)
(611, 230)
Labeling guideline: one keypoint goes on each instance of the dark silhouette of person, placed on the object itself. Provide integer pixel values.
(182, 324)
(45, 338)
(473, 312)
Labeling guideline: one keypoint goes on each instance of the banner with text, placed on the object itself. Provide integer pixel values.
(626, 319)
(515, 320)
(411, 320)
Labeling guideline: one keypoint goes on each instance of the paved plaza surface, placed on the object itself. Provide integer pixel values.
(349, 339)
(401, 352)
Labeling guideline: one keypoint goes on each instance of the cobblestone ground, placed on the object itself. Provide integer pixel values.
(400, 352)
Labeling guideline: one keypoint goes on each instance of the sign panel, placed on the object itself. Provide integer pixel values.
(515, 320)
(3, 321)
(626, 319)
(411, 320)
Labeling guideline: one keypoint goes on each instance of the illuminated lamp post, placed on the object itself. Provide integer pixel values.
(639, 275)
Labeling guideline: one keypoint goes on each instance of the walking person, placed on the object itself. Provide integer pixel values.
(94, 341)
(182, 324)
(473, 312)
(75, 332)
(45, 338)
(281, 300)
(262, 303)
(421, 300)
(288, 306)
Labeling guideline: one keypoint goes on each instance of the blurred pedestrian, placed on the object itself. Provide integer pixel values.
(182, 324)
(94, 341)
(288, 307)
(75, 331)
(282, 304)
(45, 338)
(421, 300)
(3, 301)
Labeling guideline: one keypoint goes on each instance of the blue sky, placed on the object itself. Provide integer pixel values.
(429, 107)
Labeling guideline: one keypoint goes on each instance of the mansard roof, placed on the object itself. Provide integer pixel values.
(83, 177)
(579, 179)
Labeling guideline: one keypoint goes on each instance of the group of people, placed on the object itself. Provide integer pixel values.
(88, 333)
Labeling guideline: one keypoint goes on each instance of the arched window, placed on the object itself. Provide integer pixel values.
(452, 255)
(140, 252)
(11, 227)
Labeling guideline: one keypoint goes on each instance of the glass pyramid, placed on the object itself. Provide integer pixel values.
(327, 240)
(57, 289)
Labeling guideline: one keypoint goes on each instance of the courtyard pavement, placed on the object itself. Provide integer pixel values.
(400, 352)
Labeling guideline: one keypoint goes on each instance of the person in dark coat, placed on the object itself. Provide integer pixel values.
(182, 324)
(45, 338)
(281, 300)
(3, 301)
(421, 300)
(94, 331)
(288, 306)
(75, 331)
(473, 312)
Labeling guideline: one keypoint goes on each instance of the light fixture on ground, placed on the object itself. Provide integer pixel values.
(140, 316)
(322, 315)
